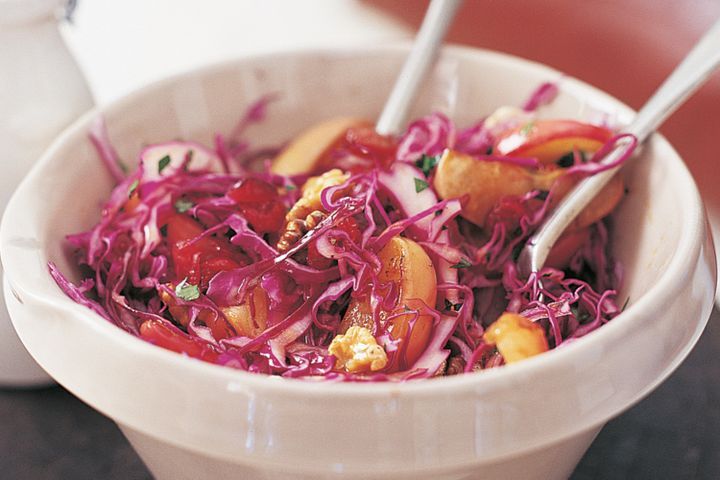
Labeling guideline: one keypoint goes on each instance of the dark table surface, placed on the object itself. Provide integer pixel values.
(674, 433)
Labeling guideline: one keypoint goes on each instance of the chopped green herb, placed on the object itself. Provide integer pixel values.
(439, 212)
(426, 163)
(164, 162)
(463, 263)
(566, 161)
(542, 194)
(627, 300)
(163, 230)
(517, 249)
(581, 317)
(452, 307)
(489, 150)
(182, 205)
(420, 185)
(290, 187)
(188, 158)
(124, 168)
(187, 291)
(525, 131)
(133, 187)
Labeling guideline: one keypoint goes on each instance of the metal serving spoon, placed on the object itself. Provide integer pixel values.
(437, 19)
(687, 77)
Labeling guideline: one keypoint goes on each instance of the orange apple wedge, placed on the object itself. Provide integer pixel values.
(406, 264)
(306, 152)
(484, 183)
(601, 206)
(549, 140)
(516, 337)
(566, 246)
(250, 318)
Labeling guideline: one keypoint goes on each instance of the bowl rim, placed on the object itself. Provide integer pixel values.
(686, 253)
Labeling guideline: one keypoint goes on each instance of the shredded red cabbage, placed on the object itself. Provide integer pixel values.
(189, 255)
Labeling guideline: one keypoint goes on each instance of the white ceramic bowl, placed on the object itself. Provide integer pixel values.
(193, 420)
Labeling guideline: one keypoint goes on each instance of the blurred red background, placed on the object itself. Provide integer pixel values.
(625, 47)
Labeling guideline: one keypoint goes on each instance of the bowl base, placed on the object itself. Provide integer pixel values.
(168, 462)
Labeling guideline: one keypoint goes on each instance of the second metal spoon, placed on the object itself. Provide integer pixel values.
(687, 77)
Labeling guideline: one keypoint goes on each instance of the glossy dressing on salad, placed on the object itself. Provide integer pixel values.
(349, 255)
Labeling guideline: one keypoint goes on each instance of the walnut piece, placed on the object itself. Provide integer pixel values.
(357, 351)
(308, 212)
(310, 200)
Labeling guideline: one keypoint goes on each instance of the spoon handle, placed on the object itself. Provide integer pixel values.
(687, 77)
(437, 19)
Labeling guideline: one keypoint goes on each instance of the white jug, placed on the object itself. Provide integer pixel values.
(41, 91)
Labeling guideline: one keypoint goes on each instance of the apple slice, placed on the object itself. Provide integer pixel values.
(250, 318)
(516, 337)
(484, 183)
(306, 152)
(601, 206)
(405, 264)
(566, 246)
(549, 140)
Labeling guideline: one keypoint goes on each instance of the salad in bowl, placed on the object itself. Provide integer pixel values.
(349, 255)
(200, 300)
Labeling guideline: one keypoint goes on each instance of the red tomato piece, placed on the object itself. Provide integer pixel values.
(171, 338)
(364, 142)
(260, 204)
(200, 260)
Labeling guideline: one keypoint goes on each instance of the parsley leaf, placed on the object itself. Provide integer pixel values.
(452, 307)
(426, 163)
(463, 263)
(566, 161)
(527, 129)
(133, 187)
(420, 185)
(627, 300)
(188, 158)
(542, 194)
(182, 205)
(164, 162)
(516, 251)
(187, 291)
